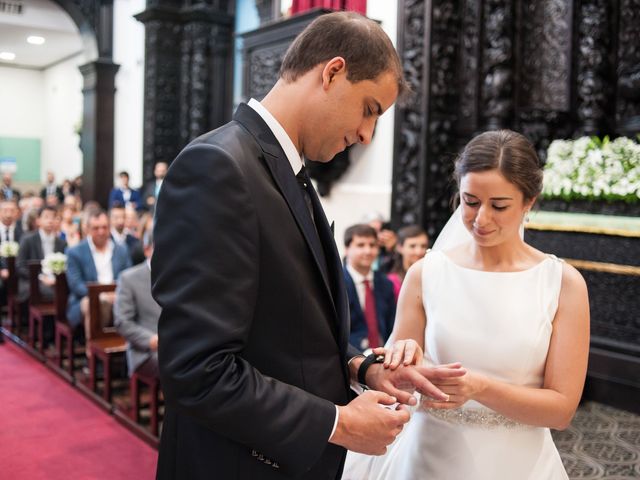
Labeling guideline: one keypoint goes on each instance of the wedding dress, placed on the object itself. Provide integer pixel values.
(495, 323)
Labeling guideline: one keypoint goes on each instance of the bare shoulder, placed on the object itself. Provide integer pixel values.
(414, 274)
(574, 287)
(572, 278)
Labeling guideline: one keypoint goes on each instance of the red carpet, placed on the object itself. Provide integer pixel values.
(49, 430)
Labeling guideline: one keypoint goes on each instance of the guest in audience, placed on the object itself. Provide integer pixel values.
(67, 188)
(123, 195)
(8, 192)
(70, 226)
(122, 237)
(386, 241)
(30, 205)
(372, 304)
(10, 228)
(36, 246)
(50, 189)
(412, 246)
(95, 259)
(132, 222)
(136, 315)
(76, 185)
(152, 189)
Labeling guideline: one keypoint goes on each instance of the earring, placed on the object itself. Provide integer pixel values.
(525, 219)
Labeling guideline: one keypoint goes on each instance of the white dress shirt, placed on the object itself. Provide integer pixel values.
(358, 280)
(102, 261)
(120, 238)
(295, 160)
(48, 242)
(281, 135)
(3, 232)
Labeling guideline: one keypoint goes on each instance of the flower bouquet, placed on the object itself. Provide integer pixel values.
(9, 249)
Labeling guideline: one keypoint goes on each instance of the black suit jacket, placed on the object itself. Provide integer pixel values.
(31, 249)
(255, 324)
(59, 193)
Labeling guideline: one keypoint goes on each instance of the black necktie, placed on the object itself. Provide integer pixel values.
(303, 181)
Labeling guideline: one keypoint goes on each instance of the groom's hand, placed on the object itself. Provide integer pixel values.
(404, 380)
(366, 426)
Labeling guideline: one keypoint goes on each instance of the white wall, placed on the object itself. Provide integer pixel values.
(21, 103)
(128, 52)
(63, 104)
(366, 186)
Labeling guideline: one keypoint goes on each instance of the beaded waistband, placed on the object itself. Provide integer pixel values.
(481, 418)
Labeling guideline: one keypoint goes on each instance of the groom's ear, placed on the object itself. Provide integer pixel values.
(332, 69)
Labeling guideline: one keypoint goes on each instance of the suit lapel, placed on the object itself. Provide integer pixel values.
(281, 171)
(39, 250)
(334, 266)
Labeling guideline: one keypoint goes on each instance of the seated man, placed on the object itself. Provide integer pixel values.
(137, 314)
(36, 246)
(120, 235)
(95, 259)
(10, 231)
(371, 300)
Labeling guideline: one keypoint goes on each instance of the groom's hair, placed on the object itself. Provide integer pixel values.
(365, 47)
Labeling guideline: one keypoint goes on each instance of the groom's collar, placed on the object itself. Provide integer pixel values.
(282, 138)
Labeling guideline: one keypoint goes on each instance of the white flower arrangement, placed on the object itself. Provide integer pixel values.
(592, 169)
(54, 264)
(9, 249)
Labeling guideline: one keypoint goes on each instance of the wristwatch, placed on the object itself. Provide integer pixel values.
(366, 363)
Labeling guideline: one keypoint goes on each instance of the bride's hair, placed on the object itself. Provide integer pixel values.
(507, 151)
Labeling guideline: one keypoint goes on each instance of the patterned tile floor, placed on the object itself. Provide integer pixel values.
(602, 443)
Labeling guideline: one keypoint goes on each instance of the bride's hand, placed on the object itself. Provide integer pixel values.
(460, 390)
(403, 352)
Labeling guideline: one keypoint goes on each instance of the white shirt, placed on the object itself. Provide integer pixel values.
(48, 242)
(3, 232)
(281, 135)
(120, 238)
(102, 261)
(358, 280)
(294, 159)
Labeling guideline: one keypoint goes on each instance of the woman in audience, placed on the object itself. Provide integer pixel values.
(70, 225)
(411, 247)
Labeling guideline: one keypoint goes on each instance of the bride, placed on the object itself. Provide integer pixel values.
(516, 318)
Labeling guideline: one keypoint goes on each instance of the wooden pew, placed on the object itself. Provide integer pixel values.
(40, 309)
(13, 307)
(104, 343)
(63, 329)
(153, 384)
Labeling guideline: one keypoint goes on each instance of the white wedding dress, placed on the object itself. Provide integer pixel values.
(495, 323)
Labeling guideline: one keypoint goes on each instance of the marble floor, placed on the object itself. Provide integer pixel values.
(602, 443)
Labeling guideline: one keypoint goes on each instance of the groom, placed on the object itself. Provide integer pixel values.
(253, 351)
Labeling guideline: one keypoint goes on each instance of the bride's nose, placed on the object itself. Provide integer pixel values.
(483, 217)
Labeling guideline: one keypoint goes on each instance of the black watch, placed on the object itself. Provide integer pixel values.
(366, 363)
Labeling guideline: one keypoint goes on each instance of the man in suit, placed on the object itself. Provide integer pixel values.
(123, 195)
(372, 303)
(8, 192)
(120, 235)
(10, 228)
(95, 259)
(136, 315)
(50, 189)
(36, 246)
(253, 334)
(10, 231)
(152, 189)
